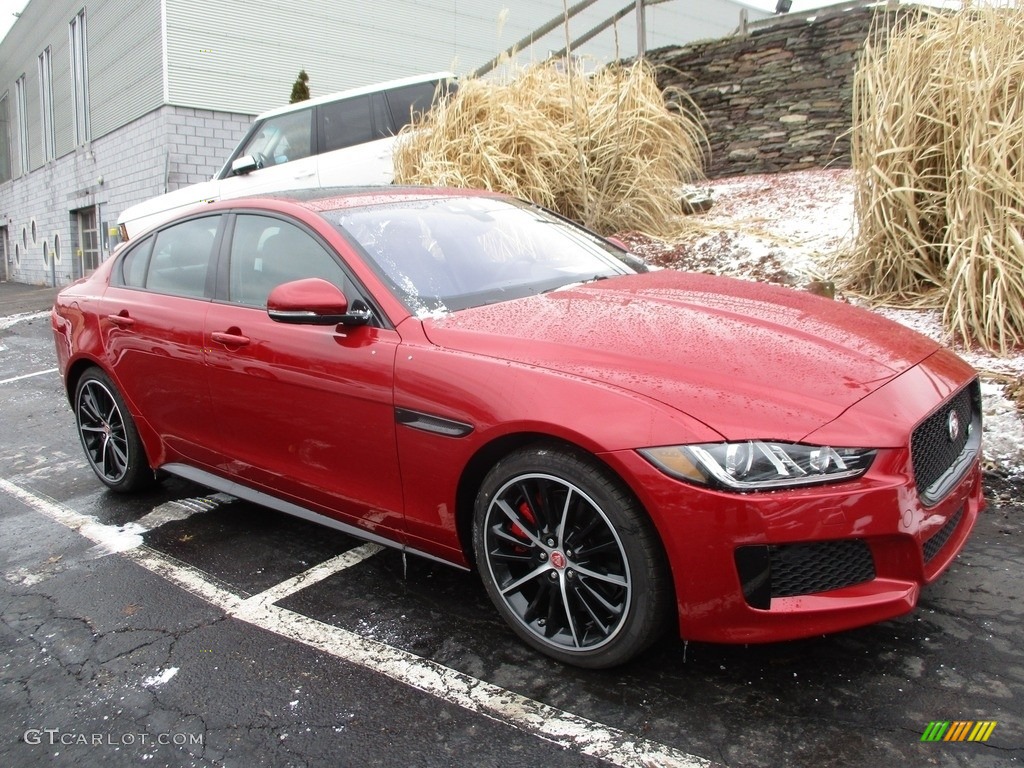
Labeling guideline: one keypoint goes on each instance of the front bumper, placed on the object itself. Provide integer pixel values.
(778, 566)
(770, 566)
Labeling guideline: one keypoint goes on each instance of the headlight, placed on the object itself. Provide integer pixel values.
(757, 465)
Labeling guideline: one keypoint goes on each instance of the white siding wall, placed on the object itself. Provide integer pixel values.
(125, 61)
(125, 74)
(233, 58)
(244, 55)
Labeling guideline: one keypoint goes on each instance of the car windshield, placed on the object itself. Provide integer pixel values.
(444, 254)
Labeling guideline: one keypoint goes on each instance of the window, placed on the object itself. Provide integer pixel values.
(135, 264)
(5, 141)
(349, 122)
(80, 77)
(46, 104)
(181, 257)
(85, 235)
(283, 138)
(266, 252)
(410, 101)
(21, 100)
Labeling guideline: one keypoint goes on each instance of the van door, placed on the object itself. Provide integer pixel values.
(356, 139)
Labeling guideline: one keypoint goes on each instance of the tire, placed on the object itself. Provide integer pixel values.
(569, 557)
(108, 434)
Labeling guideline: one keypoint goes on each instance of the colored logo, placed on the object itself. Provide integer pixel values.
(958, 730)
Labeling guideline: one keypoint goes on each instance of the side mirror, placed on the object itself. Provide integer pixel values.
(314, 301)
(240, 166)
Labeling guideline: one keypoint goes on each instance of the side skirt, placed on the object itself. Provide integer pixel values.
(232, 488)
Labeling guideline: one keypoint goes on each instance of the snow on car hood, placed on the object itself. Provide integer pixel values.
(747, 359)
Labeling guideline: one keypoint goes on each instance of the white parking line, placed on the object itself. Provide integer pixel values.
(28, 376)
(554, 725)
(9, 320)
(307, 578)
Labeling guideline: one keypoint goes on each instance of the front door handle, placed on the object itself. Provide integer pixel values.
(231, 338)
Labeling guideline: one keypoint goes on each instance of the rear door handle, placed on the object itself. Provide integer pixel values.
(230, 339)
(121, 320)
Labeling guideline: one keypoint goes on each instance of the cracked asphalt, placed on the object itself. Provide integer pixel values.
(165, 630)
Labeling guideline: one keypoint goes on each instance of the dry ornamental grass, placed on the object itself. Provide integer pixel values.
(603, 149)
(938, 152)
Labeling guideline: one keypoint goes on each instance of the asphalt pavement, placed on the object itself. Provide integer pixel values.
(182, 627)
(16, 298)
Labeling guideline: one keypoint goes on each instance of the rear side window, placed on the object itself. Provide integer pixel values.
(135, 264)
(410, 101)
(352, 121)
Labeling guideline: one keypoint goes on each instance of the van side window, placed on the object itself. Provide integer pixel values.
(409, 101)
(349, 122)
(283, 138)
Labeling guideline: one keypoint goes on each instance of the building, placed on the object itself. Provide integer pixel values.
(106, 104)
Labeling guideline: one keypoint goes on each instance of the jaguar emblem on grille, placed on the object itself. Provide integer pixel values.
(954, 426)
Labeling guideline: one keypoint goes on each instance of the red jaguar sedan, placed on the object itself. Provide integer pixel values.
(473, 379)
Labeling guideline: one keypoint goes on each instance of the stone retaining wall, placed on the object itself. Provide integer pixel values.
(780, 97)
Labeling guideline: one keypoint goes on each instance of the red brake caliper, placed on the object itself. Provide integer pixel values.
(524, 510)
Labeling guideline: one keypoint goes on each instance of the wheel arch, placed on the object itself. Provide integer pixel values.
(151, 442)
(74, 374)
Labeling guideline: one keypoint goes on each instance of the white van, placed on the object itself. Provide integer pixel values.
(342, 139)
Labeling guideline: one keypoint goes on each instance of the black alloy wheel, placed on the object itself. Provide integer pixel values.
(108, 434)
(570, 558)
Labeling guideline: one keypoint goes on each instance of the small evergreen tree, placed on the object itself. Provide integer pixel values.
(300, 91)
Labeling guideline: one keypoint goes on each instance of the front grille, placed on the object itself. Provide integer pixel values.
(933, 449)
(790, 570)
(803, 569)
(939, 539)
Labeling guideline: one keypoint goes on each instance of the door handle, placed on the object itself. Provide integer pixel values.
(230, 339)
(121, 320)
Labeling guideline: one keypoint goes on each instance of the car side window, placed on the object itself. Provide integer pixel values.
(135, 264)
(352, 121)
(267, 251)
(181, 257)
(283, 138)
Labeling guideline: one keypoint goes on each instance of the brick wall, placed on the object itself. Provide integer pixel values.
(778, 98)
(169, 148)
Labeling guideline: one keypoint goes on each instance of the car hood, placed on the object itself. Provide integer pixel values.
(747, 359)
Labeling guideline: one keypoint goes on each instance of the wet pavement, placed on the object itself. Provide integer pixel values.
(182, 627)
(18, 298)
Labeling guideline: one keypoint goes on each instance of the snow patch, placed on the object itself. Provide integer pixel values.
(789, 228)
(157, 680)
(11, 320)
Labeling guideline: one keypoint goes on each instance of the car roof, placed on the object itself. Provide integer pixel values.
(360, 91)
(319, 199)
